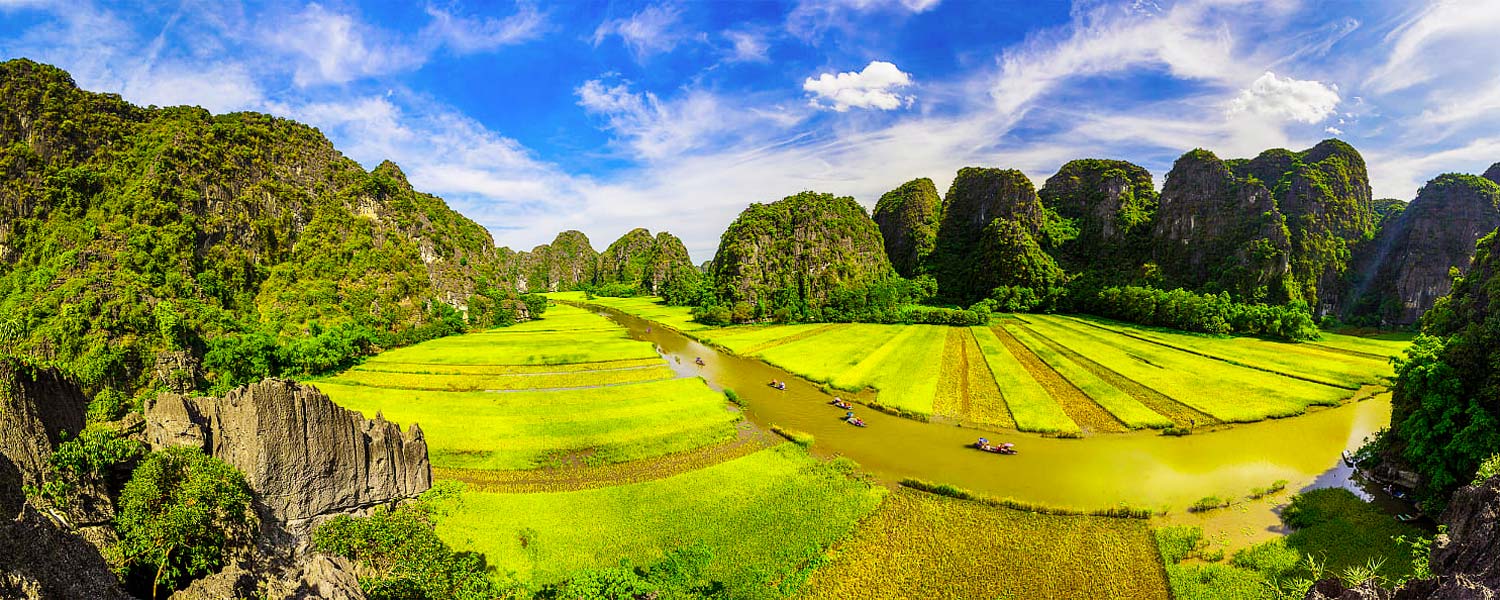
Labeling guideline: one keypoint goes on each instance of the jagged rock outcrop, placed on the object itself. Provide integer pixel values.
(38, 408)
(316, 576)
(303, 456)
(1493, 173)
(640, 260)
(985, 215)
(802, 247)
(566, 263)
(1278, 227)
(1112, 203)
(41, 559)
(1465, 561)
(1405, 269)
(908, 217)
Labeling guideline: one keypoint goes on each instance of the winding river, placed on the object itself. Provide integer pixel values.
(1142, 469)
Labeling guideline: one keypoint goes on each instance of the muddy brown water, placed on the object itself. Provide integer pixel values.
(1142, 469)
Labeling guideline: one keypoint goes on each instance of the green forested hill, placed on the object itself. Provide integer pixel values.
(243, 238)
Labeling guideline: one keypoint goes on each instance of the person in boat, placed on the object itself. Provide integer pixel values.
(781, 385)
(699, 360)
(982, 444)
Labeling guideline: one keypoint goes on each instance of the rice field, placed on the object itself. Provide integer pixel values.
(922, 545)
(765, 516)
(1067, 374)
(649, 308)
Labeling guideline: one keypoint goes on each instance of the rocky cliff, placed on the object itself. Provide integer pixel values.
(908, 217)
(163, 227)
(987, 215)
(303, 456)
(802, 248)
(1112, 203)
(1281, 226)
(38, 409)
(565, 264)
(640, 260)
(1493, 173)
(1400, 274)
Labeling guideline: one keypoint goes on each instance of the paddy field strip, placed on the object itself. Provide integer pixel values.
(930, 546)
(966, 388)
(524, 429)
(1032, 407)
(649, 308)
(904, 369)
(1228, 392)
(824, 356)
(752, 340)
(767, 517)
(1300, 361)
(1389, 345)
(1083, 410)
(1123, 406)
(1178, 413)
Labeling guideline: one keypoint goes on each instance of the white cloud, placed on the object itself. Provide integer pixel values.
(470, 35)
(1444, 38)
(874, 87)
(653, 30)
(653, 129)
(811, 17)
(332, 47)
(1286, 99)
(747, 46)
(1333, 131)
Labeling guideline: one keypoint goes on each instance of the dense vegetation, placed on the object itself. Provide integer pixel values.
(1206, 313)
(127, 233)
(1445, 417)
(178, 517)
(1112, 203)
(908, 219)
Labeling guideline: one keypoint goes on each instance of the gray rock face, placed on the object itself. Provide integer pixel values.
(1493, 173)
(1405, 269)
(37, 408)
(41, 559)
(319, 576)
(304, 456)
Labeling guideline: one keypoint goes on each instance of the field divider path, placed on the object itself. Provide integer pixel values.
(1084, 411)
(584, 477)
(1205, 354)
(1369, 355)
(1167, 406)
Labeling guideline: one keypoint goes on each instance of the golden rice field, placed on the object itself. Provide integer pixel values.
(1058, 374)
(921, 545)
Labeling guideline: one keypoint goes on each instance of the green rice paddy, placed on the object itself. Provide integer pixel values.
(1059, 374)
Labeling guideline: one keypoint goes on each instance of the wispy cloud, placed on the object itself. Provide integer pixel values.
(467, 35)
(653, 30)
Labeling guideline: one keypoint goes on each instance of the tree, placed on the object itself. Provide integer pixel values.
(179, 512)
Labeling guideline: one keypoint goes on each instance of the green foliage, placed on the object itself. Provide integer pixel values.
(108, 405)
(1205, 313)
(401, 557)
(1343, 532)
(989, 235)
(1487, 469)
(1445, 421)
(133, 231)
(93, 456)
(908, 217)
(179, 513)
(682, 574)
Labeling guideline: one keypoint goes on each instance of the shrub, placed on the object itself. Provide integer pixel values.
(1487, 469)
(178, 514)
(800, 438)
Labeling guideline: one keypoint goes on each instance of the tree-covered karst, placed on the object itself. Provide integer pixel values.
(565, 264)
(638, 262)
(908, 217)
(126, 232)
(1217, 232)
(792, 255)
(1445, 417)
(1279, 227)
(1324, 192)
(1408, 266)
(986, 213)
(1493, 173)
(1112, 204)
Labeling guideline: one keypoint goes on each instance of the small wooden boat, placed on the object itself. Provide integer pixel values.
(1348, 458)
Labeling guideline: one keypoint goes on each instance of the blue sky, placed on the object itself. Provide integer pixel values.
(601, 116)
